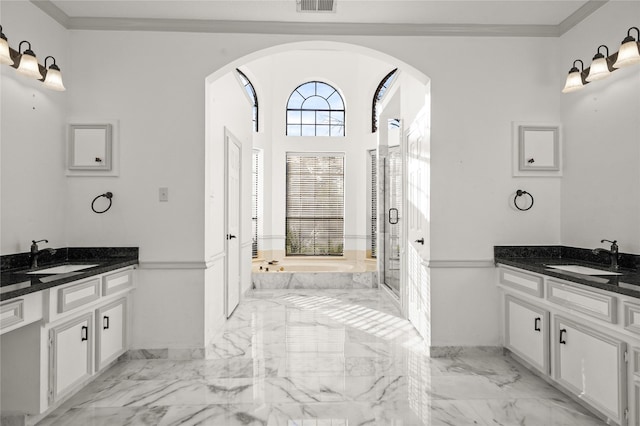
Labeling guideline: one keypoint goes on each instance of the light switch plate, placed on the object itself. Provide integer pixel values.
(163, 194)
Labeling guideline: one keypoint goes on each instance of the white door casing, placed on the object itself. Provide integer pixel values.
(232, 221)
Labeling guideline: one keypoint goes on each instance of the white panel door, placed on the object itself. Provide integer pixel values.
(591, 365)
(417, 198)
(110, 333)
(70, 356)
(527, 332)
(233, 224)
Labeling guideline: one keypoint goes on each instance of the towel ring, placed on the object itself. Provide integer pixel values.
(108, 196)
(520, 193)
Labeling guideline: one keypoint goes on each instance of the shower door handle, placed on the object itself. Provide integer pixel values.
(393, 216)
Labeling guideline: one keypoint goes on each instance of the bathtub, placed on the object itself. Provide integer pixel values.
(314, 273)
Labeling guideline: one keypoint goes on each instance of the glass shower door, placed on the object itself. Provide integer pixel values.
(393, 211)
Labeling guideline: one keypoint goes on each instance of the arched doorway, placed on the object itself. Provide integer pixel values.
(357, 71)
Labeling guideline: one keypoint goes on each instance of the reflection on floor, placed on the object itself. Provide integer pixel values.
(320, 358)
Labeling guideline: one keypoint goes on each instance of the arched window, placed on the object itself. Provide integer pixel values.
(253, 97)
(377, 97)
(315, 109)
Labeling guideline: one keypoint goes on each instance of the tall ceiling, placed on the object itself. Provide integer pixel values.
(548, 18)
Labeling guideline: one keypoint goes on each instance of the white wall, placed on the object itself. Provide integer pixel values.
(601, 184)
(32, 136)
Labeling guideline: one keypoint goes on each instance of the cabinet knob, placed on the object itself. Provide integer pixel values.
(105, 322)
(84, 333)
(536, 324)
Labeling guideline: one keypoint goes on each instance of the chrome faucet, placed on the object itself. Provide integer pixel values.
(613, 252)
(35, 252)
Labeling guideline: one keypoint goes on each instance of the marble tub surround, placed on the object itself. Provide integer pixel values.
(317, 280)
(14, 275)
(536, 259)
(320, 357)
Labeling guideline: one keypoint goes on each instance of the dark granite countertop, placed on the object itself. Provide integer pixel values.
(15, 281)
(536, 259)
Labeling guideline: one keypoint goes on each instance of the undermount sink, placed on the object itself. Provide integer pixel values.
(62, 269)
(582, 270)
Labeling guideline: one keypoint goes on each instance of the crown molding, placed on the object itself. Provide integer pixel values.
(579, 15)
(53, 11)
(320, 28)
(306, 28)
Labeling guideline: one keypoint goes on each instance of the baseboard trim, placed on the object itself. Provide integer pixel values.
(165, 353)
(457, 351)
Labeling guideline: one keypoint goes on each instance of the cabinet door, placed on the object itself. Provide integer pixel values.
(527, 332)
(591, 365)
(111, 332)
(70, 356)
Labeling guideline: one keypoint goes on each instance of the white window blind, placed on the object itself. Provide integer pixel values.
(315, 204)
(373, 226)
(254, 201)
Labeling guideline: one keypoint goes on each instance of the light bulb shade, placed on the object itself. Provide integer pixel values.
(599, 69)
(628, 54)
(574, 81)
(53, 80)
(29, 66)
(5, 56)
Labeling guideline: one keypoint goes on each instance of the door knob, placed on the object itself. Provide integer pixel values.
(421, 241)
(230, 236)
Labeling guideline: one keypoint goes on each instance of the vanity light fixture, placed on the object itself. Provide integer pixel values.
(629, 52)
(603, 65)
(28, 63)
(576, 78)
(53, 79)
(5, 55)
(600, 67)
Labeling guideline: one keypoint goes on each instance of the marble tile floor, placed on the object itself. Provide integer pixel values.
(320, 358)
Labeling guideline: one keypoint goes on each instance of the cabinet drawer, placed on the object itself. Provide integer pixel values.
(594, 304)
(78, 294)
(113, 283)
(15, 313)
(632, 317)
(523, 281)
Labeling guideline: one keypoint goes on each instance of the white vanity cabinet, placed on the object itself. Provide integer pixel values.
(591, 365)
(527, 332)
(70, 360)
(82, 329)
(574, 335)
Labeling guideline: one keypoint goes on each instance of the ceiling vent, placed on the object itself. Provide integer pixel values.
(316, 5)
